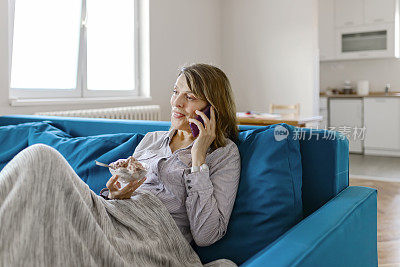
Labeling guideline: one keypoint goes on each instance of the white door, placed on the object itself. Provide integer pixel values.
(382, 123)
(326, 29)
(378, 11)
(349, 12)
(345, 114)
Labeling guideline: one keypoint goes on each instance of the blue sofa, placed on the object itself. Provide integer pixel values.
(339, 224)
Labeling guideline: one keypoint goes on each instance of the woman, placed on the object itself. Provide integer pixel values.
(50, 217)
(195, 177)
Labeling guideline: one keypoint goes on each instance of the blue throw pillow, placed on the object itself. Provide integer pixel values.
(13, 139)
(268, 201)
(81, 152)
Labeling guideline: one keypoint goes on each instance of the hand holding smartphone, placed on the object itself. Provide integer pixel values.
(195, 130)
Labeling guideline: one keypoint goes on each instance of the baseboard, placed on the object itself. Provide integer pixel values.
(375, 178)
(380, 152)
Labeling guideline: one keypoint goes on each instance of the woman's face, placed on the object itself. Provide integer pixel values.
(183, 101)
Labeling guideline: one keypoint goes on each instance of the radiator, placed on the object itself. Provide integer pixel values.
(150, 112)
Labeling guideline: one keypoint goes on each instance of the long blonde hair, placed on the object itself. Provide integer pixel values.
(209, 83)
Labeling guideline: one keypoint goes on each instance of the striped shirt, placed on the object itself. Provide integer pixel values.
(201, 202)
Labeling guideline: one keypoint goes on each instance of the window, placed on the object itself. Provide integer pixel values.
(74, 48)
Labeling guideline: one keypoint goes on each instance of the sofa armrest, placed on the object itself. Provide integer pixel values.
(343, 232)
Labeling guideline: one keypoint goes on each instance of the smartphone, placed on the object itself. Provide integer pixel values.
(193, 127)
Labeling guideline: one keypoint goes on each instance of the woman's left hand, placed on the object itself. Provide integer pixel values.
(205, 138)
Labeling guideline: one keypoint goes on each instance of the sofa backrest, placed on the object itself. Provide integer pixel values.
(325, 154)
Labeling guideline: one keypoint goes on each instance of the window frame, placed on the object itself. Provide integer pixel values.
(81, 91)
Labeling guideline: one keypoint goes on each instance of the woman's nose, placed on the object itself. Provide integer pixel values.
(177, 101)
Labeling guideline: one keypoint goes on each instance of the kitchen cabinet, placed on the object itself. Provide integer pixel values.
(358, 29)
(345, 114)
(379, 11)
(382, 123)
(376, 117)
(377, 41)
(323, 111)
(326, 30)
(349, 12)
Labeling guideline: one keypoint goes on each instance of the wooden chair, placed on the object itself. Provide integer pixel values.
(295, 108)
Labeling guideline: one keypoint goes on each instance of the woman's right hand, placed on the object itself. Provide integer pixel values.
(115, 191)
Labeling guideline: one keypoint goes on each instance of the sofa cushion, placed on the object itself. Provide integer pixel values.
(81, 152)
(13, 139)
(268, 201)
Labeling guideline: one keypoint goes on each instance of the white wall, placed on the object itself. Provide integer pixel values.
(4, 57)
(185, 31)
(270, 52)
(379, 72)
(181, 31)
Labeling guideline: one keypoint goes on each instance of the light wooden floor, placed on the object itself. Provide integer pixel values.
(388, 219)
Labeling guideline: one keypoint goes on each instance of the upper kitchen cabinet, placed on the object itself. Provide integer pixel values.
(358, 29)
(379, 11)
(361, 42)
(349, 12)
(326, 30)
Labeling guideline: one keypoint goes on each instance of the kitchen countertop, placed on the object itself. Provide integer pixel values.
(371, 94)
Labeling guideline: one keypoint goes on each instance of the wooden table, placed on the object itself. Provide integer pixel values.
(268, 119)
